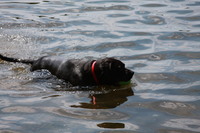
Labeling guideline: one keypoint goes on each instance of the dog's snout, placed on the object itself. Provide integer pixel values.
(129, 74)
(132, 73)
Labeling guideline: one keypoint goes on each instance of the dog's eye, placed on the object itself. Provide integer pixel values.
(120, 67)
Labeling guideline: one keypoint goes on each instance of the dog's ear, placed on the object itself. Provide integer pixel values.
(110, 64)
(103, 63)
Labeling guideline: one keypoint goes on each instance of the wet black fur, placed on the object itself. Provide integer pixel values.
(109, 71)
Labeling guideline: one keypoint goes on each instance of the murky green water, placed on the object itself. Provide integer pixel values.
(159, 40)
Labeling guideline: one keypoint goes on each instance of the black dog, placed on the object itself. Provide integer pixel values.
(107, 71)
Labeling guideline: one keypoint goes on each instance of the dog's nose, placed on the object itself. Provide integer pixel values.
(129, 73)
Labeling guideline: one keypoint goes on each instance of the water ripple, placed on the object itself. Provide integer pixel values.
(151, 20)
(180, 11)
(117, 7)
(195, 36)
(154, 5)
(191, 18)
(89, 115)
(187, 124)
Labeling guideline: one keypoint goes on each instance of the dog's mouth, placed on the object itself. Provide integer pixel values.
(124, 82)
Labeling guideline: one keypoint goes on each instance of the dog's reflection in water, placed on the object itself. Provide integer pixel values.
(107, 98)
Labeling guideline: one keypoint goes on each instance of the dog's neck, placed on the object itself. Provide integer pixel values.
(93, 72)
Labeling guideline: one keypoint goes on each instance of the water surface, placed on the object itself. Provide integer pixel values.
(159, 40)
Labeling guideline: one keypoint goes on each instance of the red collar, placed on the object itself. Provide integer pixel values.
(93, 72)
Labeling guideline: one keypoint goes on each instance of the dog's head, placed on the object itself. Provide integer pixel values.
(112, 71)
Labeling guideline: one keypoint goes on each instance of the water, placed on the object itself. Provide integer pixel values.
(159, 40)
